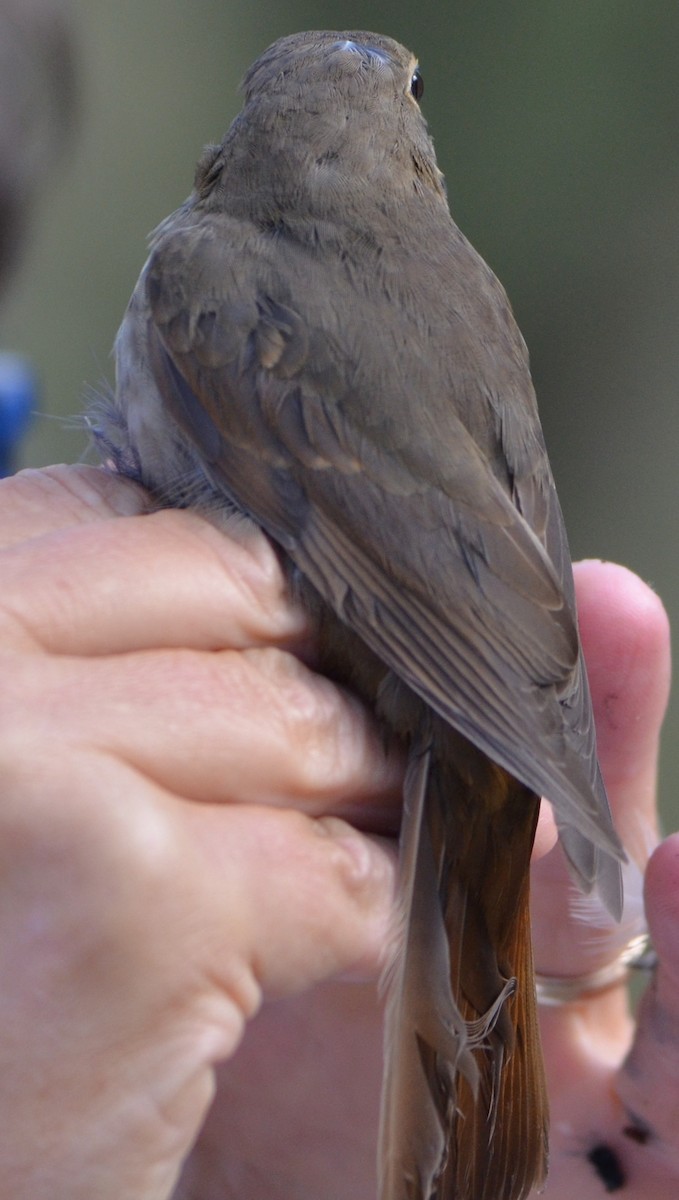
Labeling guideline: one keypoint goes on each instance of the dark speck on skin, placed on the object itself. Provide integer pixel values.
(638, 1130)
(608, 1167)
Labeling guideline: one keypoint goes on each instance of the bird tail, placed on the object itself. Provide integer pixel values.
(464, 1107)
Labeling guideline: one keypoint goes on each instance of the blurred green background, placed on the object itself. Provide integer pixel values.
(557, 126)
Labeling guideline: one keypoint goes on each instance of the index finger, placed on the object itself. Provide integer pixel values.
(152, 580)
(41, 500)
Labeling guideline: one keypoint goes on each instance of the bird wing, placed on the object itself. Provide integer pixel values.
(410, 538)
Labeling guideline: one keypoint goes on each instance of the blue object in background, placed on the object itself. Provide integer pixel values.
(18, 401)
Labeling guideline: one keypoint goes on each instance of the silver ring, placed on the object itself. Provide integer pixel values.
(553, 990)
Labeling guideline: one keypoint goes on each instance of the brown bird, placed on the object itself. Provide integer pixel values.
(314, 344)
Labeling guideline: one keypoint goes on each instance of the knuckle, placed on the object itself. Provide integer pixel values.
(314, 720)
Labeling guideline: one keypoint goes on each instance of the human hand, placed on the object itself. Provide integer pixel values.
(614, 1118)
(171, 844)
(108, 1058)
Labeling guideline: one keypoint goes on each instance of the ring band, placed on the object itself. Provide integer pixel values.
(553, 990)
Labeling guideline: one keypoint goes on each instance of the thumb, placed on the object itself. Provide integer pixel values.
(625, 637)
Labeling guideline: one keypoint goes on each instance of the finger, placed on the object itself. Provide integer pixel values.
(249, 726)
(165, 579)
(140, 933)
(35, 502)
(255, 900)
(648, 1081)
(316, 896)
(626, 641)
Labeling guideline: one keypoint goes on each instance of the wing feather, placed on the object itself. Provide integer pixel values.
(422, 549)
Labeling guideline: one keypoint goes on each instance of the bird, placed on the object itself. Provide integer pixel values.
(315, 346)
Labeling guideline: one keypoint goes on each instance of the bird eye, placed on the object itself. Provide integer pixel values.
(417, 85)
